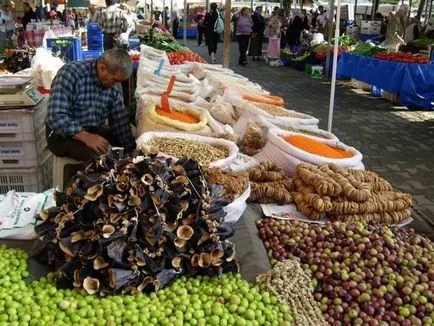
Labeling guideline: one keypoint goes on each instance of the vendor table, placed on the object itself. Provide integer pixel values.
(35, 38)
(250, 251)
(413, 82)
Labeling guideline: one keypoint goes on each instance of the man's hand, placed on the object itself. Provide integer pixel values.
(99, 144)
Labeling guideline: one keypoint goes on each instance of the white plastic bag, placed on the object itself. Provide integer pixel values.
(223, 163)
(45, 67)
(18, 212)
(235, 209)
(288, 157)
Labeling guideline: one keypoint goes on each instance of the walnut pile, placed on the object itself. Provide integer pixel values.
(270, 184)
(348, 195)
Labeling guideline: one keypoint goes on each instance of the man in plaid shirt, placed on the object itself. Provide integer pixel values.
(113, 22)
(84, 94)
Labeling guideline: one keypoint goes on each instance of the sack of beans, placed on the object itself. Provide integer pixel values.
(287, 149)
(208, 151)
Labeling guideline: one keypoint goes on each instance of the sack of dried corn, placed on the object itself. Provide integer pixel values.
(287, 149)
(207, 151)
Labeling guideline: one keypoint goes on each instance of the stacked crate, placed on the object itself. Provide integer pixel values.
(95, 42)
(25, 161)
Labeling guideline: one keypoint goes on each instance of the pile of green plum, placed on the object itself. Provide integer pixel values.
(228, 300)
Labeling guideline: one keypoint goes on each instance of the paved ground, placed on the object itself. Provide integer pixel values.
(396, 142)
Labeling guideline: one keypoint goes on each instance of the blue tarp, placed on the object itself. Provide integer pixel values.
(414, 82)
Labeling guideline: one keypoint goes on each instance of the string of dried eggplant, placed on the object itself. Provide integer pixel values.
(135, 224)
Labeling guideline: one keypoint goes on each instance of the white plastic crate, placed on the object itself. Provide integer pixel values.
(23, 180)
(21, 154)
(41, 140)
(34, 179)
(22, 124)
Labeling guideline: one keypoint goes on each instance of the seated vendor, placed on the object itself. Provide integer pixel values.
(84, 94)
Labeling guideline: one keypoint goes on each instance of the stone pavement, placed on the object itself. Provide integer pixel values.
(396, 142)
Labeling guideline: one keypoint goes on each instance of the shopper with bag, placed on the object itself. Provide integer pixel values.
(257, 34)
(214, 26)
(113, 22)
(244, 30)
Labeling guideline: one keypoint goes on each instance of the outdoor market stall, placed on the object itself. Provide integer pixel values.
(225, 179)
(412, 81)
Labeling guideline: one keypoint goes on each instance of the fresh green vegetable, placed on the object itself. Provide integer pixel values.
(367, 49)
(228, 300)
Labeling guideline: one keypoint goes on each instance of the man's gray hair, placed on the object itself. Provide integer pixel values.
(117, 60)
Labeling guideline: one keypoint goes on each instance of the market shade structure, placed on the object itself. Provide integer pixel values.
(335, 62)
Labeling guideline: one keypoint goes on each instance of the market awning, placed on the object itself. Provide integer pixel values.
(78, 3)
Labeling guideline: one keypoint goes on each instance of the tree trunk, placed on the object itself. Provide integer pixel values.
(420, 9)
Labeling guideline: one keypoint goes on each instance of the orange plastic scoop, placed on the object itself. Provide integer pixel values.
(165, 106)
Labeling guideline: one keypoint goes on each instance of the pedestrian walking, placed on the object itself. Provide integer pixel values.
(244, 30)
(113, 22)
(214, 26)
(272, 31)
(257, 38)
(200, 18)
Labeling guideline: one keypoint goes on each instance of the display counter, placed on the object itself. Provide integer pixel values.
(413, 82)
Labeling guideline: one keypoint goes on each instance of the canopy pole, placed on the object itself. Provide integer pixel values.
(184, 22)
(227, 35)
(355, 12)
(335, 62)
(152, 13)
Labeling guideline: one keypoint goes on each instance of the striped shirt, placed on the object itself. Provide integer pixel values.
(112, 20)
(78, 102)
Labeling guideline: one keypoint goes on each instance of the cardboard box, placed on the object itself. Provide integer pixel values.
(370, 30)
(370, 23)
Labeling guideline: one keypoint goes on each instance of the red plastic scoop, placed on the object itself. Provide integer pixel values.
(165, 106)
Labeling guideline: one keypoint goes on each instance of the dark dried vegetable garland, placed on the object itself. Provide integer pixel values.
(134, 225)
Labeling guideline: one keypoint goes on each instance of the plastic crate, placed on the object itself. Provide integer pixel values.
(91, 54)
(36, 179)
(21, 154)
(285, 60)
(69, 47)
(22, 124)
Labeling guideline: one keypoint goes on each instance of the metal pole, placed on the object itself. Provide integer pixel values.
(207, 5)
(152, 14)
(430, 8)
(251, 5)
(329, 34)
(184, 22)
(164, 13)
(335, 63)
(227, 35)
(409, 9)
